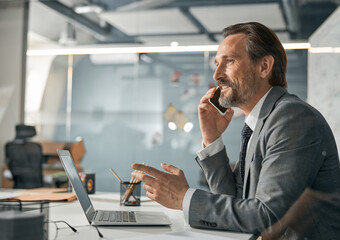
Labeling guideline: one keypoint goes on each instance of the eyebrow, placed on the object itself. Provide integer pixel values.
(228, 56)
(233, 55)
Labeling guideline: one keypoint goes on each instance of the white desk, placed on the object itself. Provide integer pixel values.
(73, 214)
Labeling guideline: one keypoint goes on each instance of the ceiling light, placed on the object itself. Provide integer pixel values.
(92, 8)
(303, 45)
(174, 44)
(110, 49)
(324, 50)
(130, 58)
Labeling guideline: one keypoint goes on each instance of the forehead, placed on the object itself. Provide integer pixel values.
(233, 45)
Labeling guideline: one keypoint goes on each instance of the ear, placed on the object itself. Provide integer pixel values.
(266, 66)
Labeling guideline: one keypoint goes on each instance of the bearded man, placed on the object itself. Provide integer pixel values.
(287, 145)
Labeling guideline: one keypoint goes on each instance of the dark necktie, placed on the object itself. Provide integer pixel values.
(245, 134)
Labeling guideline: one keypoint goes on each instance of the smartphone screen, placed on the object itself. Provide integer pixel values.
(216, 104)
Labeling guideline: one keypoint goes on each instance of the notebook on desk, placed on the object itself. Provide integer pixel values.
(101, 217)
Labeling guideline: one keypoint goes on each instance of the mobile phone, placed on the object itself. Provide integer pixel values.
(216, 104)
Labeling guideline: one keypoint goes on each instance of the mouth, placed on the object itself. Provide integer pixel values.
(224, 85)
(225, 90)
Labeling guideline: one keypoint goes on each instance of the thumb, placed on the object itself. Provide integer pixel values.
(169, 168)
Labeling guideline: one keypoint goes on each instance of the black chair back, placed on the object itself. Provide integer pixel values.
(24, 159)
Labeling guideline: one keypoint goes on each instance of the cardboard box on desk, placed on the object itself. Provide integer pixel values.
(77, 149)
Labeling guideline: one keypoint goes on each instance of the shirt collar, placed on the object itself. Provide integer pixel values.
(253, 116)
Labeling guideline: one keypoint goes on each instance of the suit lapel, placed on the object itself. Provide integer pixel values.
(273, 96)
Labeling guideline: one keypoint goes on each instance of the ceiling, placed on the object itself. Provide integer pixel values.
(160, 22)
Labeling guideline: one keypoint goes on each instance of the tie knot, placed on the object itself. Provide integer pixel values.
(246, 132)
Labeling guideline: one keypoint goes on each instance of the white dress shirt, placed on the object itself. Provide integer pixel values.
(217, 146)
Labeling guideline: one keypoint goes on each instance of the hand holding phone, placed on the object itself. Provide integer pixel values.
(214, 101)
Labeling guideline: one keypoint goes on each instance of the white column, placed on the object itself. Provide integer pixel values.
(12, 69)
(324, 72)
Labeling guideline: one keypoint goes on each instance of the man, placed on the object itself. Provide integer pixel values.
(291, 147)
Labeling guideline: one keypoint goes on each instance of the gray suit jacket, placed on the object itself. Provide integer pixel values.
(292, 149)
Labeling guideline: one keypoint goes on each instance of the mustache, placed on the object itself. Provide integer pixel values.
(225, 82)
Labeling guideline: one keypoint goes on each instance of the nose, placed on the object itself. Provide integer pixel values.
(219, 73)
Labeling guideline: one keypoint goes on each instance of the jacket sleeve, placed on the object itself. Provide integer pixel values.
(218, 173)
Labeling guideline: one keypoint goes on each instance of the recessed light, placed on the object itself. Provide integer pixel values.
(174, 44)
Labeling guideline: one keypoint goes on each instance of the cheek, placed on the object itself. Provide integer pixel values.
(234, 73)
(231, 76)
(234, 77)
(244, 77)
(230, 72)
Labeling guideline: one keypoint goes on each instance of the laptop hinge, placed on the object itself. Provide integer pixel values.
(94, 215)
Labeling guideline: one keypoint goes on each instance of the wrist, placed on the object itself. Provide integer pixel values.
(207, 142)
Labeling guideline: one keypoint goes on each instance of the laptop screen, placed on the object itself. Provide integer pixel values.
(77, 185)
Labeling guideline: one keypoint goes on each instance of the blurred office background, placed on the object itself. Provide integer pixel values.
(140, 105)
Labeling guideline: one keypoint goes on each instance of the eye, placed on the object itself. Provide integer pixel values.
(230, 61)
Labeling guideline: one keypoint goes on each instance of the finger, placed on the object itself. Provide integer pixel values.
(170, 168)
(208, 95)
(150, 195)
(205, 107)
(148, 188)
(149, 170)
(143, 177)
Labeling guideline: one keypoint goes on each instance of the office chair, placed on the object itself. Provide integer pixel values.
(24, 159)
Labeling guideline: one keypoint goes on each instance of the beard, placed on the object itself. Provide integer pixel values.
(241, 91)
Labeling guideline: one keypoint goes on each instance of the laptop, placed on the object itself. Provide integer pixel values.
(103, 217)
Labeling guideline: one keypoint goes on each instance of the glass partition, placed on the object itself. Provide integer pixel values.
(46, 98)
(131, 108)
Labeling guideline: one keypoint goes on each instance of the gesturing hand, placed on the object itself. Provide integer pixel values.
(167, 189)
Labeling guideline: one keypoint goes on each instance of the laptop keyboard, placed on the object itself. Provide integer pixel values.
(117, 216)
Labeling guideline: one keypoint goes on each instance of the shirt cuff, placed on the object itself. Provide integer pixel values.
(186, 203)
(210, 150)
